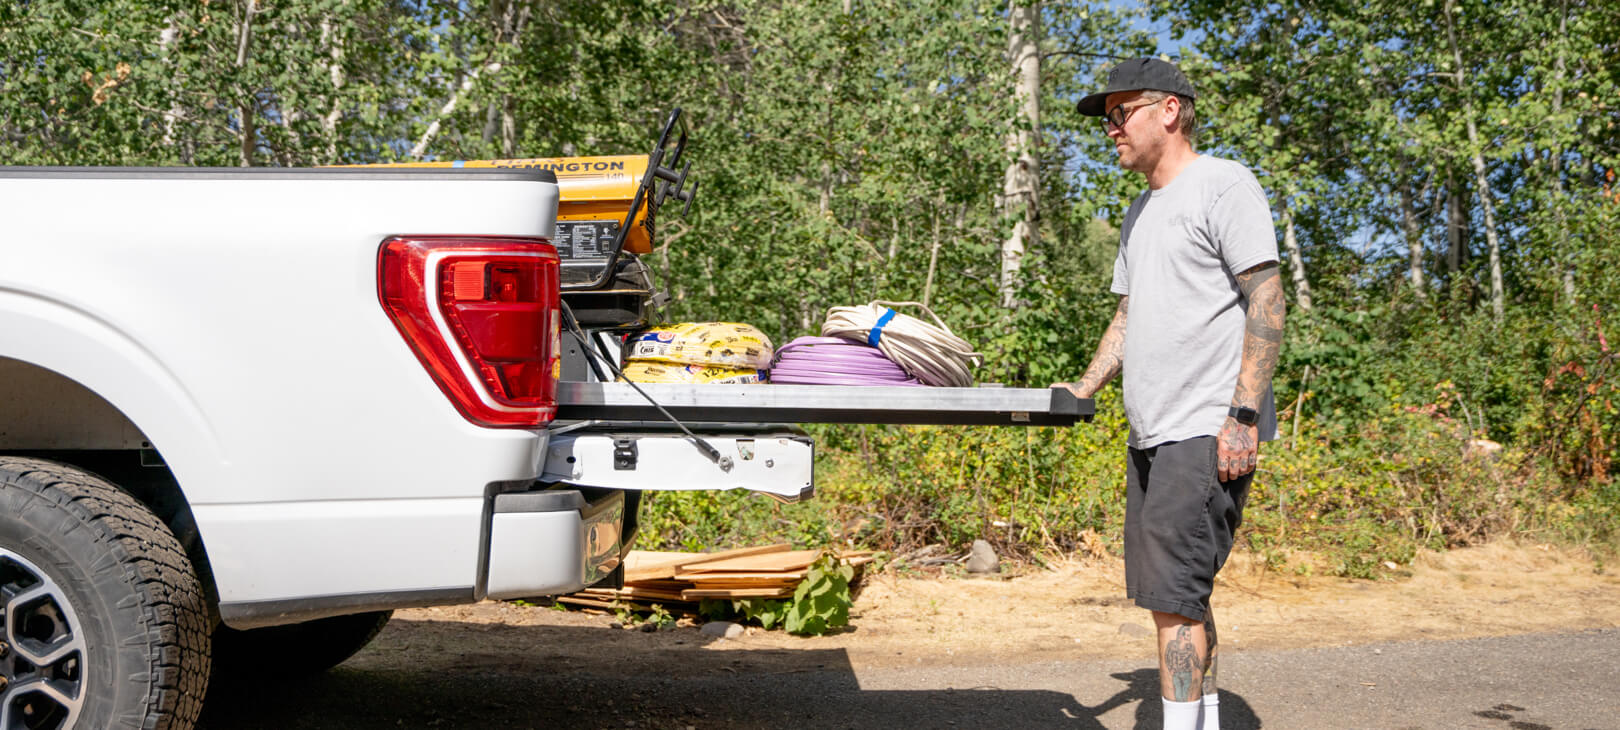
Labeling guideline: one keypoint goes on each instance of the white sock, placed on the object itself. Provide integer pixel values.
(1182, 715)
(1212, 712)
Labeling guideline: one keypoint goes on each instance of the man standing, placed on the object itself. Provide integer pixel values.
(1196, 335)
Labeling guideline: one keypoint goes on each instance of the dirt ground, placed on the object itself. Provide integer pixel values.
(918, 643)
(1078, 611)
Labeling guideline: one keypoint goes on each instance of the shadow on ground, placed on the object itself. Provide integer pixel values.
(448, 674)
(1142, 689)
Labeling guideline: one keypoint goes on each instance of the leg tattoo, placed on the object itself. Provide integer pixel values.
(1181, 661)
(1214, 652)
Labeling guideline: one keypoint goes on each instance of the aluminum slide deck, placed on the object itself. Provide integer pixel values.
(911, 405)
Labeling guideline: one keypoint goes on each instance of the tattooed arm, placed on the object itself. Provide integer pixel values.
(1109, 358)
(1238, 447)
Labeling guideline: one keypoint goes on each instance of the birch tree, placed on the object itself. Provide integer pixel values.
(1482, 185)
(247, 107)
(1021, 184)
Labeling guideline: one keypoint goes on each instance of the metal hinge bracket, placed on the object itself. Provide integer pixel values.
(624, 454)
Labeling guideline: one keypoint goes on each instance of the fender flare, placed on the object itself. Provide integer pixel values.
(93, 352)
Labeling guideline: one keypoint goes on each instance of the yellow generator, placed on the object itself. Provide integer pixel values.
(606, 214)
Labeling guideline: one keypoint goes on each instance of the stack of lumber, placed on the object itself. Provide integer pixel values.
(679, 581)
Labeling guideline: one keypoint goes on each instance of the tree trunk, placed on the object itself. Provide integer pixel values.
(1437, 212)
(1564, 253)
(1453, 230)
(1020, 188)
(492, 121)
(888, 260)
(246, 108)
(933, 257)
(1494, 246)
(824, 203)
(1414, 240)
(166, 38)
(508, 128)
(1285, 211)
(420, 148)
(334, 51)
(1296, 260)
(1482, 185)
(512, 21)
(894, 243)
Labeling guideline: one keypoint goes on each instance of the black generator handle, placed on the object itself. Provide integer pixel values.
(664, 178)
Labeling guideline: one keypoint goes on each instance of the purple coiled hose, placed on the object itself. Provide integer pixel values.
(835, 361)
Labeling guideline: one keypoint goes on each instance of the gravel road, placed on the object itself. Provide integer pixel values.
(506, 677)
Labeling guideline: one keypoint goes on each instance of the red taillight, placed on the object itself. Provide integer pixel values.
(481, 313)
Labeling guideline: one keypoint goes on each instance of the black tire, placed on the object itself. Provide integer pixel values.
(104, 606)
(294, 650)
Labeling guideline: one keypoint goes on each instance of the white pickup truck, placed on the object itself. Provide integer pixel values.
(245, 414)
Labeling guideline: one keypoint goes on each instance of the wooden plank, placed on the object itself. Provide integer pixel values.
(765, 575)
(728, 585)
(693, 594)
(672, 605)
(706, 570)
(642, 565)
(666, 565)
(740, 552)
(636, 558)
(634, 592)
(660, 584)
(781, 561)
(586, 602)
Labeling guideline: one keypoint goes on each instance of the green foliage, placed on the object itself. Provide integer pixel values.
(655, 615)
(700, 520)
(898, 488)
(1025, 490)
(850, 152)
(769, 612)
(820, 603)
(822, 600)
(1343, 497)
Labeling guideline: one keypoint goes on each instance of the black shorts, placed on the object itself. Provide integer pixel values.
(1179, 523)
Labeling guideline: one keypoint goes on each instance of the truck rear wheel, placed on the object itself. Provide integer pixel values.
(105, 622)
(295, 649)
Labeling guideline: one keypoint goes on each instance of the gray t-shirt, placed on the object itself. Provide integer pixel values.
(1178, 253)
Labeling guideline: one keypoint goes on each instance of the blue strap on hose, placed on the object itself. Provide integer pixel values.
(876, 335)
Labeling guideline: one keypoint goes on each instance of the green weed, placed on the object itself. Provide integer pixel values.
(820, 603)
(1355, 492)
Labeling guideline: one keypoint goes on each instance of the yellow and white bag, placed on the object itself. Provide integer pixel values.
(719, 344)
(641, 371)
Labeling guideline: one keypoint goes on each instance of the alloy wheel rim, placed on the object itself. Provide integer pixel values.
(42, 652)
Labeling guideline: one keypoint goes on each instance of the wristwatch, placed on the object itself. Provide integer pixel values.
(1244, 415)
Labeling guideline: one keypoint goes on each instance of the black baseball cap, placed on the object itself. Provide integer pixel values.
(1138, 74)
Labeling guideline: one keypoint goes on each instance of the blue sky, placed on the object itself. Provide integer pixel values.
(1168, 44)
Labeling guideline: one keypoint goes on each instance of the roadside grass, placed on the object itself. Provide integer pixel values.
(1356, 501)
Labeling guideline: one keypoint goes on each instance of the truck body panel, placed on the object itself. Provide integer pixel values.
(232, 318)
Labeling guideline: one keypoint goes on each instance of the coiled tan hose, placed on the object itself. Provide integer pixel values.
(931, 354)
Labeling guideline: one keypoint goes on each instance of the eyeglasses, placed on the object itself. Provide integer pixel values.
(1116, 117)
